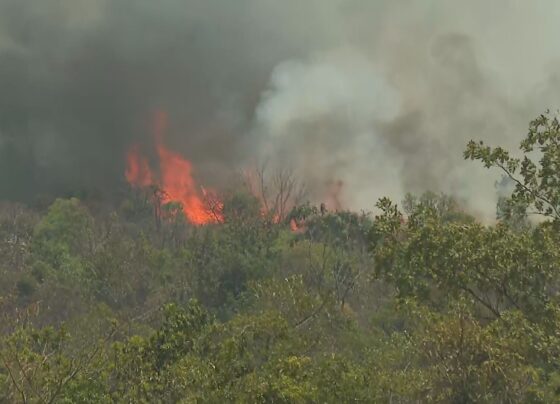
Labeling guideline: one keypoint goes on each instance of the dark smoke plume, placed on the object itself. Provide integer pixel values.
(379, 95)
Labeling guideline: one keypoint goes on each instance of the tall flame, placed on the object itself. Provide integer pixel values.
(175, 178)
(138, 171)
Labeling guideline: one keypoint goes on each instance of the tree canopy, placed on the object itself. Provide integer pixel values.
(419, 303)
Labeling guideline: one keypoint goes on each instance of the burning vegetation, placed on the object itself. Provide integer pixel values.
(174, 179)
(246, 246)
(338, 306)
(173, 182)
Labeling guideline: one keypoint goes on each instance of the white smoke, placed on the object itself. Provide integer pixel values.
(423, 78)
(382, 95)
(321, 115)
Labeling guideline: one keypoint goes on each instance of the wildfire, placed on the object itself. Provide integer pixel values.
(293, 225)
(200, 205)
(174, 182)
(138, 171)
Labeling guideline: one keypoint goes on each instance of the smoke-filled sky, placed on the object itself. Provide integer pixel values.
(382, 95)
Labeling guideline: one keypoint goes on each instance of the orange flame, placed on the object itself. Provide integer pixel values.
(293, 225)
(176, 180)
(138, 171)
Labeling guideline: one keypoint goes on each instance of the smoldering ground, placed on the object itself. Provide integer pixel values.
(380, 95)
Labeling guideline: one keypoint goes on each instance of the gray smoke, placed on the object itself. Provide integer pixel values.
(380, 95)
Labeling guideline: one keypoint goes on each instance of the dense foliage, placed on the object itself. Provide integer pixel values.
(423, 304)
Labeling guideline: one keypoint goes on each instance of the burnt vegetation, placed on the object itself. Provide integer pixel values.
(278, 300)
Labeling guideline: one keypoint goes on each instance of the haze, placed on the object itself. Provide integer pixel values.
(382, 95)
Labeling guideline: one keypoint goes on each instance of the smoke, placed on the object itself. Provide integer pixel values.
(382, 96)
(321, 116)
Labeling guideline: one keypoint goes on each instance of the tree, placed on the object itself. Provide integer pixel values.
(537, 184)
(278, 193)
(494, 267)
(45, 365)
(341, 241)
(222, 259)
(61, 237)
